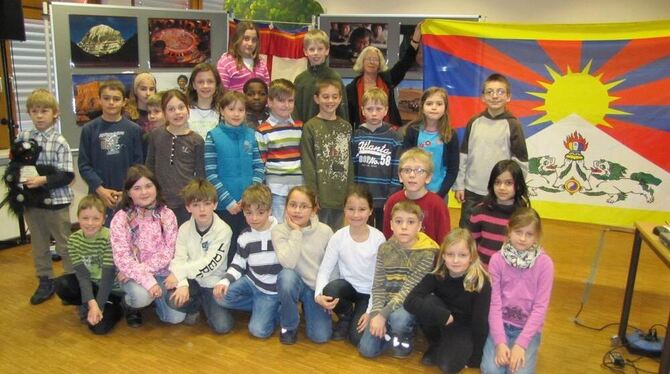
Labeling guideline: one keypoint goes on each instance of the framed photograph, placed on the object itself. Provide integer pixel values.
(409, 99)
(103, 41)
(86, 95)
(347, 40)
(172, 80)
(179, 42)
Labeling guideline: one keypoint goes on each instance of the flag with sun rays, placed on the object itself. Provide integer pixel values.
(594, 102)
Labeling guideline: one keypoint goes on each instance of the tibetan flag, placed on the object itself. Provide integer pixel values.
(594, 102)
(282, 49)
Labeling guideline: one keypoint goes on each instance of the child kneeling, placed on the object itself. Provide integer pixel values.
(402, 262)
(200, 258)
(250, 283)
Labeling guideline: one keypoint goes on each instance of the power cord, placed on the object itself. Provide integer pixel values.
(579, 323)
(614, 361)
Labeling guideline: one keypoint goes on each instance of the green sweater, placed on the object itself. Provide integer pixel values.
(398, 270)
(305, 107)
(326, 163)
(92, 261)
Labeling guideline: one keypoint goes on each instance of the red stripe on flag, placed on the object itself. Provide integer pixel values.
(565, 54)
(478, 52)
(640, 95)
(642, 139)
(462, 108)
(637, 53)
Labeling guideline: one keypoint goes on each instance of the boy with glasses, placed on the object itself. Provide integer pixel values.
(415, 172)
(491, 136)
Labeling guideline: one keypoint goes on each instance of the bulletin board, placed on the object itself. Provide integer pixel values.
(93, 43)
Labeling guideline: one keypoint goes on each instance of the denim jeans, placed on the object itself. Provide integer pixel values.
(218, 319)
(244, 295)
(400, 323)
(293, 289)
(489, 366)
(138, 297)
(278, 205)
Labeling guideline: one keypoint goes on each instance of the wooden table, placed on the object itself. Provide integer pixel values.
(644, 231)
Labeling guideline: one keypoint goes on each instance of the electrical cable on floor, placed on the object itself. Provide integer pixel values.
(613, 361)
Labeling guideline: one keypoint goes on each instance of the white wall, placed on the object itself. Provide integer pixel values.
(537, 11)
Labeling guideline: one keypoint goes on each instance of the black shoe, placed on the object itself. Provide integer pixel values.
(44, 291)
(401, 346)
(134, 318)
(428, 358)
(288, 337)
(55, 257)
(341, 330)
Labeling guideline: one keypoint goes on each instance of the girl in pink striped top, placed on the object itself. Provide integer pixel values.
(242, 61)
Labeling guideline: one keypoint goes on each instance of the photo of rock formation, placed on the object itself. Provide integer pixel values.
(103, 41)
(85, 91)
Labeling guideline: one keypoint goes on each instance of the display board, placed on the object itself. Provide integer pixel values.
(93, 43)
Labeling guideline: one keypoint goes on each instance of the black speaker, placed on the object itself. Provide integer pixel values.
(11, 20)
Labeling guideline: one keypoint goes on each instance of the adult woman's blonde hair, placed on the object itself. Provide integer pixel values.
(370, 51)
(475, 276)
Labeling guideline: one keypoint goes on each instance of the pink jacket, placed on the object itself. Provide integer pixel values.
(144, 247)
(234, 79)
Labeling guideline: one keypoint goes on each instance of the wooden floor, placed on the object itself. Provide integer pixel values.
(49, 337)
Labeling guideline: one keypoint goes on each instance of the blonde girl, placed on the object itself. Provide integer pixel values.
(242, 61)
(144, 85)
(432, 132)
(300, 243)
(204, 92)
(522, 275)
(452, 304)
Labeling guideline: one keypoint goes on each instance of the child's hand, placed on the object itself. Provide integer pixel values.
(155, 291)
(109, 197)
(290, 223)
(417, 32)
(327, 302)
(378, 326)
(220, 290)
(502, 355)
(363, 322)
(180, 296)
(94, 313)
(517, 358)
(450, 320)
(122, 278)
(234, 209)
(35, 182)
(171, 282)
(459, 195)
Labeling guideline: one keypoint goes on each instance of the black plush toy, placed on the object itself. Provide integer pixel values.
(25, 153)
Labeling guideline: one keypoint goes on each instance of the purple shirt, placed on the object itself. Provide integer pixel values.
(519, 297)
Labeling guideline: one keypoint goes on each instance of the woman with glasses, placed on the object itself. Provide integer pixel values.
(371, 65)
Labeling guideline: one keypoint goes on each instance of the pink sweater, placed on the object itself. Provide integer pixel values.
(145, 248)
(234, 79)
(519, 297)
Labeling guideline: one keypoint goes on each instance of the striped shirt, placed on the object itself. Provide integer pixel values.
(94, 253)
(55, 152)
(488, 225)
(279, 147)
(256, 259)
(233, 79)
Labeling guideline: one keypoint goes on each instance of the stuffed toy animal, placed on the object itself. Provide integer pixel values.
(22, 154)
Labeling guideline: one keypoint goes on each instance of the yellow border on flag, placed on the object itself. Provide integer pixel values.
(594, 31)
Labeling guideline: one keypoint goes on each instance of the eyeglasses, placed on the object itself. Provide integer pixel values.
(497, 92)
(417, 171)
(297, 206)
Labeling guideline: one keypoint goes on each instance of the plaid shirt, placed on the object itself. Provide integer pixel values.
(55, 152)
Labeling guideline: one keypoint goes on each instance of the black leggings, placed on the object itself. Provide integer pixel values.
(67, 288)
(453, 342)
(349, 298)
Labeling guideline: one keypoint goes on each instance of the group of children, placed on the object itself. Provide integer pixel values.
(236, 208)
